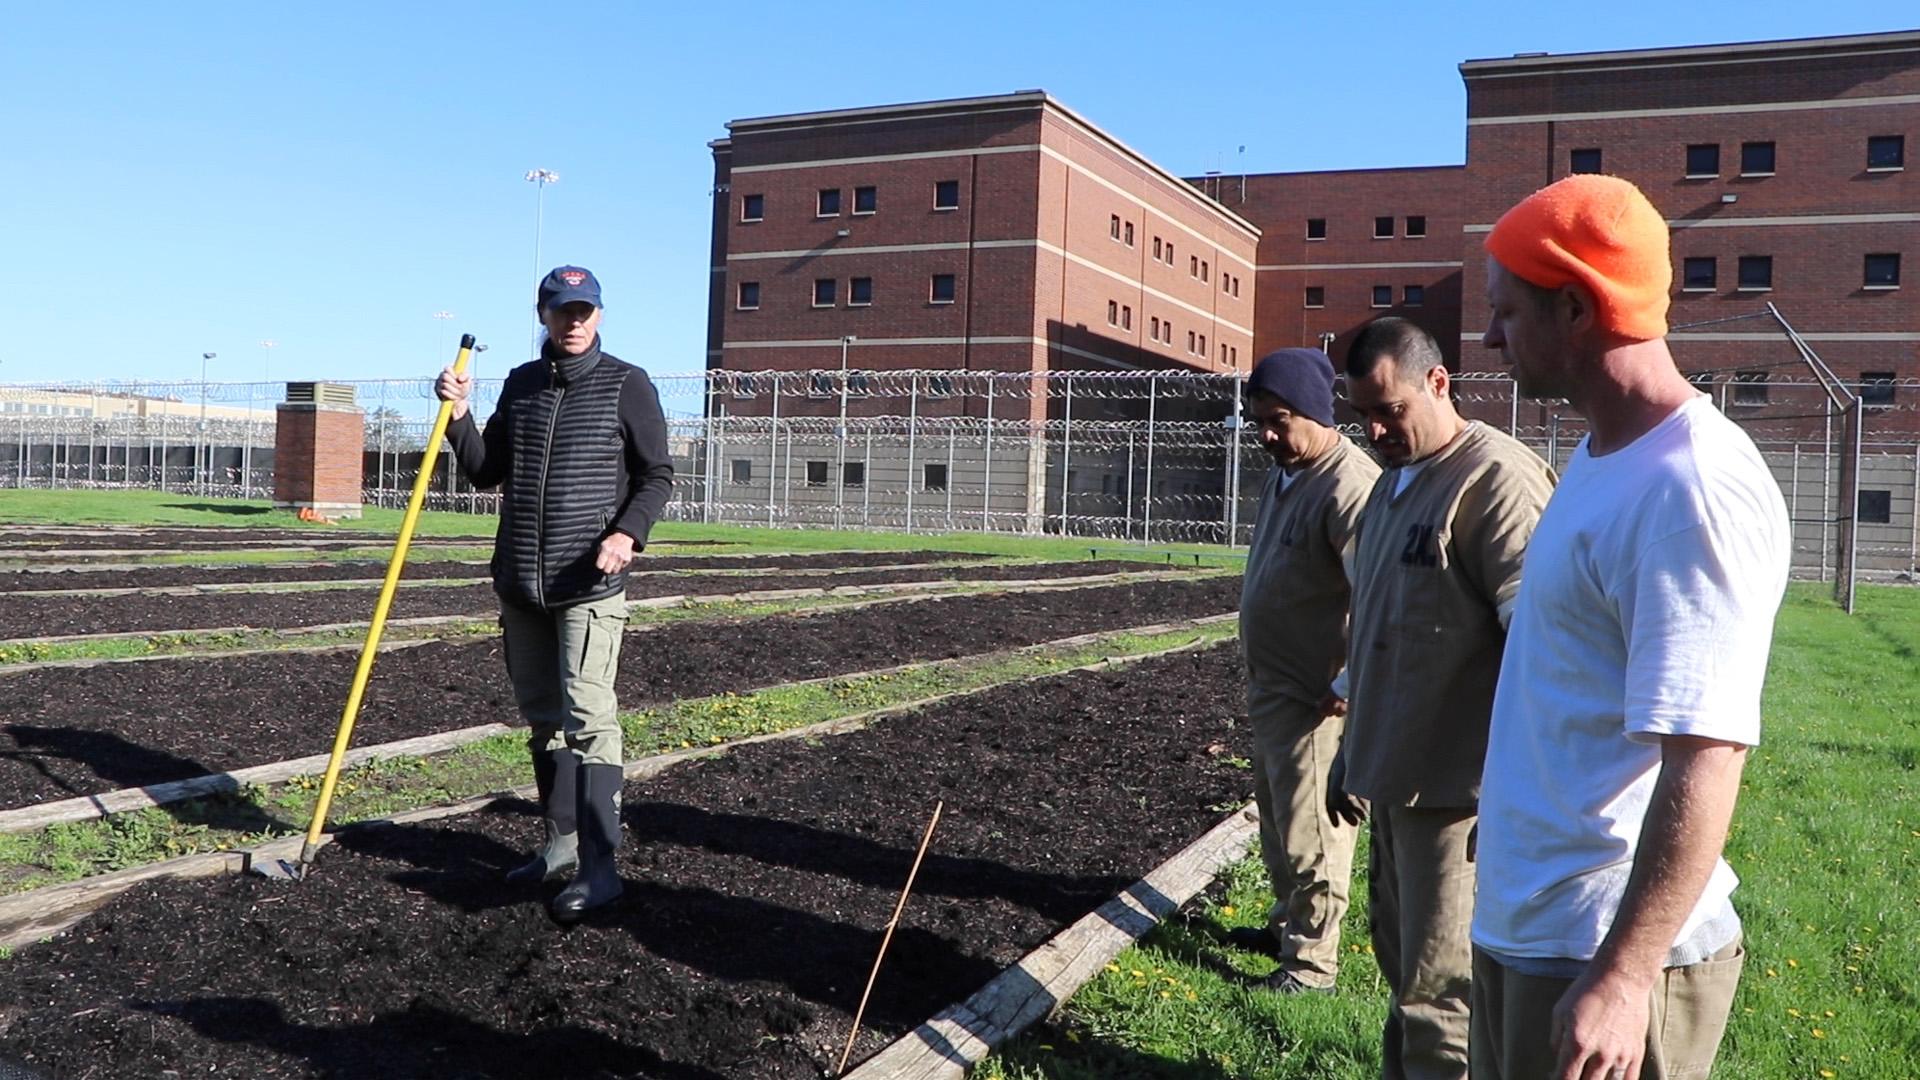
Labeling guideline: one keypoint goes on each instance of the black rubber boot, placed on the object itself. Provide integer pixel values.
(597, 882)
(557, 774)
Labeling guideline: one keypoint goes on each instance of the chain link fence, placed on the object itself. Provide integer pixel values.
(1140, 457)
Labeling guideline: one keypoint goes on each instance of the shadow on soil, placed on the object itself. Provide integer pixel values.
(127, 764)
(437, 1042)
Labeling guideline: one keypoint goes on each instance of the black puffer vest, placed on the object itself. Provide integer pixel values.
(568, 479)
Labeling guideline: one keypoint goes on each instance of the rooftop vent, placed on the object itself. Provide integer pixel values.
(319, 393)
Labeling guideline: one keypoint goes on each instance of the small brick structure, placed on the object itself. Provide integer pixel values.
(318, 441)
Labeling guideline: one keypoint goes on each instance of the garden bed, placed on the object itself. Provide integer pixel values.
(757, 887)
(32, 616)
(121, 577)
(83, 730)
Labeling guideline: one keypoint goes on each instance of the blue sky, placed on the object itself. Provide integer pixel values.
(192, 177)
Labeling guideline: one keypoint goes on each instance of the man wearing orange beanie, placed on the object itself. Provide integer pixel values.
(1605, 945)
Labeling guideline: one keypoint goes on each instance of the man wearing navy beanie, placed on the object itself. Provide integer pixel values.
(1293, 630)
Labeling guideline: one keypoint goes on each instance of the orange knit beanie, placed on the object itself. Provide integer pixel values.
(1602, 232)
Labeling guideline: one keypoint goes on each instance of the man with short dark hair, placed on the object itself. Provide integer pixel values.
(1436, 573)
(1606, 946)
(579, 447)
(1293, 630)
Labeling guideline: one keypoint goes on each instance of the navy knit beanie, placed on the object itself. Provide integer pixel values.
(1303, 378)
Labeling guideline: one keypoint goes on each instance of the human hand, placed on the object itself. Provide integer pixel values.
(1342, 808)
(455, 387)
(1333, 705)
(1600, 1027)
(616, 553)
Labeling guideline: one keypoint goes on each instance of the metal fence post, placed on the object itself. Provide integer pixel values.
(866, 477)
(1553, 440)
(1233, 467)
(1913, 515)
(773, 447)
(162, 485)
(913, 432)
(1153, 402)
(1826, 490)
(1066, 456)
(1513, 408)
(1793, 508)
(953, 439)
(1127, 510)
(986, 485)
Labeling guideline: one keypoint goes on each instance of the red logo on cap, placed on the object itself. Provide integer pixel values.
(573, 278)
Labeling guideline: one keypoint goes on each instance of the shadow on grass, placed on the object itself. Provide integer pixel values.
(230, 509)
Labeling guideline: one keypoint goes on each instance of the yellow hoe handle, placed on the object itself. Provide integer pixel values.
(372, 646)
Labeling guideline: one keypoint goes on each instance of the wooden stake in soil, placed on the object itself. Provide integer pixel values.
(887, 938)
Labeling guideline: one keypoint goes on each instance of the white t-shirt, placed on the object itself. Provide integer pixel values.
(1646, 609)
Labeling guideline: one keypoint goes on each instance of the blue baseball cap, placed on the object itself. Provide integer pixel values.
(567, 284)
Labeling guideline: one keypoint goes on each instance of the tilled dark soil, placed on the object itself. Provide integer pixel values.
(32, 616)
(81, 731)
(758, 886)
(159, 576)
(78, 536)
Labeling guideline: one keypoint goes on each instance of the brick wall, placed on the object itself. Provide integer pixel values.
(318, 452)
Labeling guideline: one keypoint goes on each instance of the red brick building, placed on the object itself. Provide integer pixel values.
(1781, 167)
(1001, 233)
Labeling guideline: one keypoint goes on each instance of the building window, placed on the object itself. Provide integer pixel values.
(1585, 160)
(946, 195)
(1886, 152)
(1168, 327)
(1203, 271)
(1126, 317)
(865, 200)
(1113, 226)
(1153, 327)
(1756, 159)
(1316, 228)
(1157, 248)
(1113, 313)
(853, 473)
(742, 470)
(1316, 296)
(1416, 225)
(1233, 355)
(940, 290)
(1202, 350)
(753, 207)
(1190, 341)
(1876, 389)
(857, 385)
(1756, 272)
(749, 298)
(1699, 274)
(1703, 160)
(817, 473)
(1223, 353)
(823, 292)
(939, 386)
(1883, 272)
(829, 204)
(934, 478)
(1383, 228)
(859, 292)
(1383, 296)
(1169, 253)
(1126, 233)
(1193, 266)
(1876, 506)
(1236, 284)
(819, 386)
(1749, 388)
(1414, 295)
(743, 386)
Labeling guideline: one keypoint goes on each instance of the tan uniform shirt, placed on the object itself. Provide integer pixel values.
(1433, 567)
(1293, 600)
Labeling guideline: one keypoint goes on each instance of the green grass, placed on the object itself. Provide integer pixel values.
(75, 850)
(1826, 840)
(158, 508)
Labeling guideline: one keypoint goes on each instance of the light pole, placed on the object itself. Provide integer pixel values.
(539, 178)
(206, 476)
(840, 481)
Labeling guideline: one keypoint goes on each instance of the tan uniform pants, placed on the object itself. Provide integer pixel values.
(562, 665)
(1513, 1018)
(1420, 887)
(1309, 859)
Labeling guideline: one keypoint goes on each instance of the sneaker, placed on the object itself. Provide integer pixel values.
(1254, 939)
(1286, 982)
